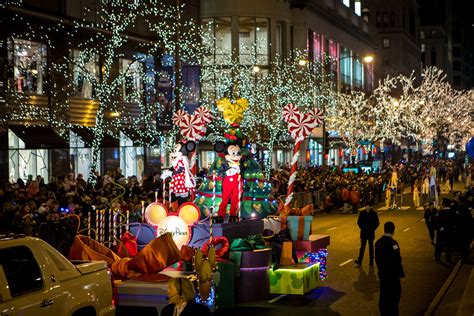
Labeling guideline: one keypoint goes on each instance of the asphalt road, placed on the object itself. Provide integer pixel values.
(349, 290)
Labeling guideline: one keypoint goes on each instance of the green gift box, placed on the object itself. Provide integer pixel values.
(297, 279)
(225, 289)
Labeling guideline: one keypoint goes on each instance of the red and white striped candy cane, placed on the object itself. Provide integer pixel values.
(294, 165)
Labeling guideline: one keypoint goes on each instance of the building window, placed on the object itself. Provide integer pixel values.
(358, 73)
(386, 62)
(218, 37)
(457, 80)
(347, 3)
(385, 19)
(423, 47)
(280, 39)
(253, 41)
(317, 46)
(131, 157)
(456, 52)
(132, 88)
(457, 66)
(433, 57)
(386, 43)
(346, 65)
(29, 61)
(366, 15)
(392, 18)
(357, 7)
(423, 59)
(24, 162)
(85, 71)
(333, 54)
(422, 34)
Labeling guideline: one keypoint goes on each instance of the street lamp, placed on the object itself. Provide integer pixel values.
(302, 62)
(368, 59)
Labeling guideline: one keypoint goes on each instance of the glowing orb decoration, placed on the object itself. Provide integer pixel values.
(177, 227)
(155, 213)
(189, 212)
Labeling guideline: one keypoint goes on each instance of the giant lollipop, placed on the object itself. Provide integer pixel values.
(300, 125)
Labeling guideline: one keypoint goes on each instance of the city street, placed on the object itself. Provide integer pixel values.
(351, 290)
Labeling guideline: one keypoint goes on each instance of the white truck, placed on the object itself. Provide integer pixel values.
(37, 280)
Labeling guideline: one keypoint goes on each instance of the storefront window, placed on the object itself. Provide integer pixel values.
(29, 61)
(80, 156)
(24, 162)
(253, 41)
(132, 90)
(131, 158)
(85, 69)
(316, 152)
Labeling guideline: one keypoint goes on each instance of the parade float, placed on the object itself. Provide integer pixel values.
(231, 237)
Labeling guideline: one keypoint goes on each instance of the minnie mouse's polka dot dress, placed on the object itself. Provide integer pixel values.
(177, 183)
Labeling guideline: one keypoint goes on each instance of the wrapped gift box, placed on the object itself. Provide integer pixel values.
(314, 243)
(253, 284)
(300, 227)
(256, 258)
(225, 289)
(233, 230)
(297, 279)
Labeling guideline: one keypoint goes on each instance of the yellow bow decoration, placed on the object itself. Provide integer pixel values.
(233, 112)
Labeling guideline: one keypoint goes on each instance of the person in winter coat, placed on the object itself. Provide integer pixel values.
(368, 223)
(430, 220)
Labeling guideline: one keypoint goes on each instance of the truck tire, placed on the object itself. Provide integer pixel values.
(85, 311)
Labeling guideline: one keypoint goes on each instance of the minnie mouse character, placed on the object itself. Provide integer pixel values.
(182, 181)
(232, 181)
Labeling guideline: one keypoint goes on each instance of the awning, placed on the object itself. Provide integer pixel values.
(36, 137)
(87, 136)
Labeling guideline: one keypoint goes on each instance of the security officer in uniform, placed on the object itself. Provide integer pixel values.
(390, 271)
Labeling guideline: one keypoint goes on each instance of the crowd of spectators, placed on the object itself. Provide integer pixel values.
(25, 205)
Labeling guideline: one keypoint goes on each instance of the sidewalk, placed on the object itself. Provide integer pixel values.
(456, 297)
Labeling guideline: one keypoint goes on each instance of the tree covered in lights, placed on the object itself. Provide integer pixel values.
(401, 110)
(351, 118)
(268, 91)
(445, 113)
(111, 88)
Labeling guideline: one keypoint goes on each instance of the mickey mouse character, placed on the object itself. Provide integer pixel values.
(182, 181)
(232, 183)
